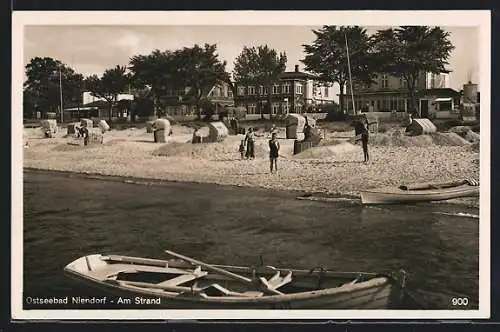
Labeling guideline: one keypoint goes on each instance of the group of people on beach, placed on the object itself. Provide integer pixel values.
(247, 147)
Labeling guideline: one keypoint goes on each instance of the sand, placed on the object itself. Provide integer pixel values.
(335, 167)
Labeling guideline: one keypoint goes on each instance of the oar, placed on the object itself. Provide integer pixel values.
(229, 274)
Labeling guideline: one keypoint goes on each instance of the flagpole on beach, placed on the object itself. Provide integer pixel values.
(349, 69)
(61, 95)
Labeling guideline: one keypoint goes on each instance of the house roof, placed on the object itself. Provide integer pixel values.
(297, 75)
(97, 103)
(442, 92)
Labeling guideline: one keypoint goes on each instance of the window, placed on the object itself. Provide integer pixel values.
(394, 104)
(286, 87)
(298, 89)
(251, 90)
(385, 105)
(241, 91)
(266, 90)
(285, 107)
(384, 82)
(276, 108)
(230, 93)
(261, 90)
(276, 89)
(251, 108)
(326, 91)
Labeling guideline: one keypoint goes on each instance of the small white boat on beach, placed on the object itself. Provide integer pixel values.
(420, 192)
(190, 284)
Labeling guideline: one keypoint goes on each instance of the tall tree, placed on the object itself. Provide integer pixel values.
(113, 82)
(259, 66)
(327, 56)
(409, 51)
(157, 74)
(46, 77)
(200, 68)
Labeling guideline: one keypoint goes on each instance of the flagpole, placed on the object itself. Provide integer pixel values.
(61, 95)
(349, 69)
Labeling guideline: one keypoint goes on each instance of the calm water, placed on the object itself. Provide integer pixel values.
(68, 216)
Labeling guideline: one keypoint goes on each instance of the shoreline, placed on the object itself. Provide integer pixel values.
(158, 182)
(299, 194)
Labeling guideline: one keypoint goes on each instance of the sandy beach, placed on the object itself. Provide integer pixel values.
(335, 167)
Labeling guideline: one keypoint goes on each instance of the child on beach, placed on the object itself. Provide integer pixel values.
(274, 148)
(362, 134)
(242, 149)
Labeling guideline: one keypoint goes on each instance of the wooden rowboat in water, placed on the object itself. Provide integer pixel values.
(420, 192)
(191, 284)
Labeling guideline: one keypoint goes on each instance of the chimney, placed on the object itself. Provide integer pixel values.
(296, 68)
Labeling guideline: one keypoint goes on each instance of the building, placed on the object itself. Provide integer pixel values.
(295, 92)
(438, 103)
(88, 97)
(94, 107)
(470, 102)
(390, 93)
(182, 102)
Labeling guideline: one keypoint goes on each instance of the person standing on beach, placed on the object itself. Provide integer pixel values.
(307, 130)
(249, 139)
(274, 148)
(364, 141)
(242, 148)
(362, 132)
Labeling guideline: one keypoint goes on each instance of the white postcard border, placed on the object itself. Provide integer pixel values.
(472, 18)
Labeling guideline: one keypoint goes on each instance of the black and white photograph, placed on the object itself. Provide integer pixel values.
(251, 165)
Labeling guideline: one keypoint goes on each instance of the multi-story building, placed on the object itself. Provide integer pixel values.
(295, 92)
(181, 102)
(389, 93)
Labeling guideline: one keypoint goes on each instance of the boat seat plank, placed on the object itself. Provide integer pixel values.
(277, 281)
(252, 293)
(183, 278)
(226, 292)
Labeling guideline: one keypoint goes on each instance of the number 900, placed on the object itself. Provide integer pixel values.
(459, 301)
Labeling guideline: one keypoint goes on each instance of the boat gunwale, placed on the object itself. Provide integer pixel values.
(181, 264)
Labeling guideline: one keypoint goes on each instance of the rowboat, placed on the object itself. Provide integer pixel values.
(420, 192)
(186, 283)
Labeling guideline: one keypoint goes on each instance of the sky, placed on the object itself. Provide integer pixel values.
(91, 49)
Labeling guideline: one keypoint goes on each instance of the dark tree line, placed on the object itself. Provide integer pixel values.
(404, 52)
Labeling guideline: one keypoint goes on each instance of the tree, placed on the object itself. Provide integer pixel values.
(199, 68)
(326, 57)
(113, 82)
(157, 74)
(259, 66)
(409, 51)
(42, 88)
